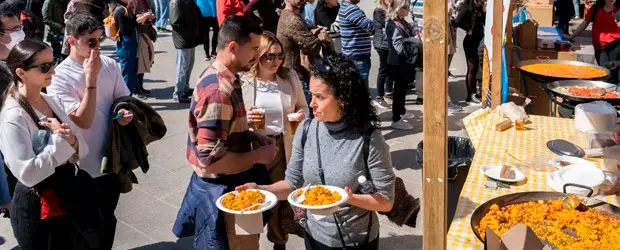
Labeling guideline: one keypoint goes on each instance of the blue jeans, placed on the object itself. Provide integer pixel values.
(576, 4)
(127, 51)
(162, 13)
(363, 66)
(184, 66)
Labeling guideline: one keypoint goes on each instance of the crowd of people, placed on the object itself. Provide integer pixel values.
(272, 66)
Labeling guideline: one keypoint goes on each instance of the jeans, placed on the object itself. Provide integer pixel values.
(207, 24)
(363, 66)
(184, 65)
(162, 13)
(611, 53)
(127, 51)
(576, 4)
(305, 85)
(384, 79)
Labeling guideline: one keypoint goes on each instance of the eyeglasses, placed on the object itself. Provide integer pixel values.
(7, 31)
(44, 67)
(274, 56)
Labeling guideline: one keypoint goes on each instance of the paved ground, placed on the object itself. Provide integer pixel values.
(147, 213)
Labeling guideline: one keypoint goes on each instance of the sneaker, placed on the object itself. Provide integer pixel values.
(407, 115)
(450, 74)
(454, 108)
(143, 92)
(402, 125)
(139, 96)
(182, 99)
(473, 99)
(388, 100)
(381, 103)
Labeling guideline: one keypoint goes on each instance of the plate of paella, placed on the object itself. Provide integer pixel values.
(318, 197)
(251, 201)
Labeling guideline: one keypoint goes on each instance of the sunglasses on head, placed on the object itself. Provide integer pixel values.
(44, 67)
(321, 67)
(274, 56)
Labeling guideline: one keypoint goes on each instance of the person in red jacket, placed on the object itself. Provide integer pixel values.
(227, 8)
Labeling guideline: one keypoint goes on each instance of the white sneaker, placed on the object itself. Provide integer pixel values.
(407, 115)
(402, 125)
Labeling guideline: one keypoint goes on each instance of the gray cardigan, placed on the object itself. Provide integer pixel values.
(342, 162)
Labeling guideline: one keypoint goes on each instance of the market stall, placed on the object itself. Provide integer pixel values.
(528, 150)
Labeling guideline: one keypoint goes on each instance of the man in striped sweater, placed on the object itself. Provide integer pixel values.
(356, 35)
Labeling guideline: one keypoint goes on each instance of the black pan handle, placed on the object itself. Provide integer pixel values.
(590, 190)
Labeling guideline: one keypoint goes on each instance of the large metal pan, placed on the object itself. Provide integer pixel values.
(552, 88)
(534, 196)
(547, 79)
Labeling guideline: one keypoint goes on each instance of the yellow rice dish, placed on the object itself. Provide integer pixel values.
(594, 229)
(243, 200)
(319, 196)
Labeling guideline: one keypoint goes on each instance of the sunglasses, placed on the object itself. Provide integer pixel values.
(274, 56)
(44, 67)
(321, 67)
(93, 43)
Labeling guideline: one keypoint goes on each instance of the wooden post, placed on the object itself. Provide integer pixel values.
(496, 60)
(435, 124)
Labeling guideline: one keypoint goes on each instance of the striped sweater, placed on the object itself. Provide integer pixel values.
(355, 30)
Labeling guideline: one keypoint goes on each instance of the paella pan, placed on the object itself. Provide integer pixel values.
(585, 91)
(549, 70)
(594, 223)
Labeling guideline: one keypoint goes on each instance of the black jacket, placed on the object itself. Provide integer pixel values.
(185, 21)
(126, 147)
(379, 40)
(325, 15)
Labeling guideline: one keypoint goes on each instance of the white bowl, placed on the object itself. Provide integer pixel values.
(585, 175)
(270, 201)
(292, 197)
(493, 172)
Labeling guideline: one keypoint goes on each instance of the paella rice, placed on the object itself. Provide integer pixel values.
(243, 200)
(550, 220)
(319, 196)
(564, 70)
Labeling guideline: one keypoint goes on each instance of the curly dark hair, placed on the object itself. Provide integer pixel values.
(345, 81)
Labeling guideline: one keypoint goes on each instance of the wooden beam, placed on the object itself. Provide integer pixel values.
(496, 59)
(435, 124)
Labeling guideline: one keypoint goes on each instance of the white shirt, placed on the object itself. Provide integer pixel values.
(268, 98)
(16, 132)
(69, 84)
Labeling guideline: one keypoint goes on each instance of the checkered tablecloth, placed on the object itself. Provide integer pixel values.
(491, 147)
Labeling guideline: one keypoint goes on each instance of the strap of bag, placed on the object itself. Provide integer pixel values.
(322, 176)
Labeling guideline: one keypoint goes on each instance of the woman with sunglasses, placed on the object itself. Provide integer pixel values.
(128, 21)
(37, 139)
(329, 150)
(271, 92)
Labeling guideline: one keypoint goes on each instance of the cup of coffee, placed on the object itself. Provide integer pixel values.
(260, 124)
(294, 120)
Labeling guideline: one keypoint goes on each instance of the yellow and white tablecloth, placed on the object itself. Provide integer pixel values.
(491, 148)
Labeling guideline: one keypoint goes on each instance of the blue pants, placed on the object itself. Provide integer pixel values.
(363, 66)
(184, 65)
(127, 50)
(576, 4)
(162, 13)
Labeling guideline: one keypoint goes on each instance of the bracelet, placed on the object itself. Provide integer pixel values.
(91, 87)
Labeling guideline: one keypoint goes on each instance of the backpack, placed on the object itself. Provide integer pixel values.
(33, 25)
(111, 29)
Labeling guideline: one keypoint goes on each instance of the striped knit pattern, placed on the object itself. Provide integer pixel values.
(355, 30)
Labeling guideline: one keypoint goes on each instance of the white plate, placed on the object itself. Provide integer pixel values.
(493, 172)
(581, 174)
(270, 199)
(570, 159)
(293, 196)
(554, 183)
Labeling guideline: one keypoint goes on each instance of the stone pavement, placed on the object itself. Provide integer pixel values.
(146, 214)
